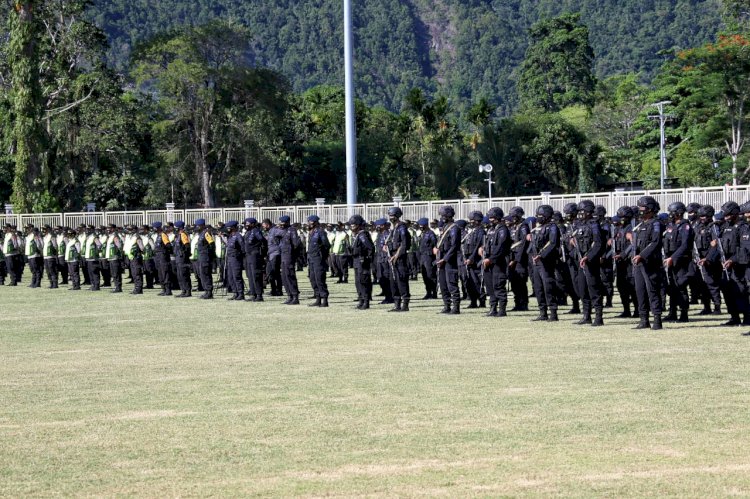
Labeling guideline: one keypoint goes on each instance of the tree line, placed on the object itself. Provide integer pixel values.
(194, 118)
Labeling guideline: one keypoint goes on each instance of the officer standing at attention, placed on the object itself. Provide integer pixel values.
(162, 258)
(134, 249)
(396, 246)
(91, 255)
(733, 282)
(473, 261)
(709, 268)
(11, 248)
(363, 252)
(382, 261)
(678, 248)
(623, 254)
(318, 250)
(72, 258)
(448, 254)
(181, 246)
(273, 236)
(206, 255)
(50, 256)
(518, 266)
(544, 249)
(113, 255)
(256, 248)
(495, 264)
(235, 261)
(289, 248)
(62, 267)
(647, 263)
(590, 246)
(426, 255)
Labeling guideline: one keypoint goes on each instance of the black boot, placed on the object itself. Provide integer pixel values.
(492, 312)
(405, 305)
(553, 316)
(599, 319)
(295, 300)
(472, 305)
(360, 304)
(586, 319)
(316, 304)
(324, 302)
(734, 321)
(456, 310)
(396, 306)
(288, 300)
(683, 315)
(644, 324)
(717, 309)
(625, 314)
(657, 323)
(576, 308)
(446, 307)
(672, 316)
(483, 303)
(542, 315)
(501, 310)
(366, 305)
(706, 311)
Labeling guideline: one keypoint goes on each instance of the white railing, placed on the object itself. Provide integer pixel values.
(715, 196)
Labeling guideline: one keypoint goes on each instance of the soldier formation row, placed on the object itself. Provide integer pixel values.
(689, 255)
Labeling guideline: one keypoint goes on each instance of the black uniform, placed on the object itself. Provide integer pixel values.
(363, 251)
(383, 266)
(427, 243)
(545, 242)
(181, 247)
(318, 251)
(162, 259)
(235, 263)
(519, 272)
(623, 249)
(733, 285)
(590, 244)
(256, 248)
(206, 258)
(497, 245)
(398, 243)
(449, 247)
(649, 273)
(709, 275)
(289, 248)
(678, 245)
(470, 249)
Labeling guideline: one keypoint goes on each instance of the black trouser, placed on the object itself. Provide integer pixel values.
(149, 272)
(3, 271)
(136, 271)
(10, 264)
(607, 274)
(104, 268)
(164, 268)
(18, 263)
(62, 267)
(341, 266)
(519, 276)
(400, 281)
(545, 286)
(677, 288)
(496, 284)
(220, 266)
(363, 281)
(206, 276)
(254, 271)
(115, 271)
(569, 275)
(413, 264)
(173, 273)
(384, 280)
(711, 285)
(429, 275)
(273, 274)
(50, 265)
(626, 285)
(591, 287)
(648, 284)
(734, 290)
(474, 284)
(235, 282)
(197, 271)
(92, 269)
(74, 274)
(289, 277)
(448, 279)
(183, 276)
(36, 267)
(317, 272)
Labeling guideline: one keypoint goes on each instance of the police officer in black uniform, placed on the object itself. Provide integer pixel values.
(235, 261)
(695, 282)
(544, 251)
(607, 260)
(382, 261)
(473, 261)
(426, 256)
(518, 266)
(647, 263)
(590, 245)
(181, 247)
(162, 259)
(567, 250)
(206, 258)
(733, 264)
(318, 251)
(496, 251)
(708, 264)
(448, 255)
(397, 245)
(290, 246)
(678, 245)
(623, 254)
(256, 249)
(363, 251)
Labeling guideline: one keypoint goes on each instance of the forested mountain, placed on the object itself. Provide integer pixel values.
(464, 49)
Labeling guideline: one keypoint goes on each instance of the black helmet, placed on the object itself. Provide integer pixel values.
(447, 211)
(649, 203)
(586, 206)
(496, 213)
(693, 207)
(600, 212)
(706, 211)
(516, 212)
(395, 212)
(625, 212)
(476, 216)
(570, 209)
(730, 208)
(557, 216)
(544, 212)
(677, 208)
(356, 220)
(745, 208)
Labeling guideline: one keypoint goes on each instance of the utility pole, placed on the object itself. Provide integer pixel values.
(351, 127)
(663, 118)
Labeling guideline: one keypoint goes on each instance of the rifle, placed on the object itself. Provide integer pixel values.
(720, 246)
(697, 258)
(666, 269)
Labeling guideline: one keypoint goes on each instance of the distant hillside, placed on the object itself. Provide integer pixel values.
(465, 49)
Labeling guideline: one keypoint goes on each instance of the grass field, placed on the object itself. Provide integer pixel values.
(105, 395)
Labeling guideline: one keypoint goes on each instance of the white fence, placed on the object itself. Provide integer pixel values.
(715, 196)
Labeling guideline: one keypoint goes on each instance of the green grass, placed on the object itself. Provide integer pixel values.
(108, 395)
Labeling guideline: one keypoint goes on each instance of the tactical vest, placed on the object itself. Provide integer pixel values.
(71, 252)
(90, 251)
(49, 249)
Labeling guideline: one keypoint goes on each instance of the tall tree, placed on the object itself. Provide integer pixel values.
(558, 69)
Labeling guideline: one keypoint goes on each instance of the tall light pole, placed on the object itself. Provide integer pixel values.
(351, 125)
(488, 170)
(663, 118)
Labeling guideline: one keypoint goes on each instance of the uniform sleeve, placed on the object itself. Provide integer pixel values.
(552, 243)
(686, 242)
(596, 242)
(455, 238)
(654, 242)
(479, 235)
(521, 246)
